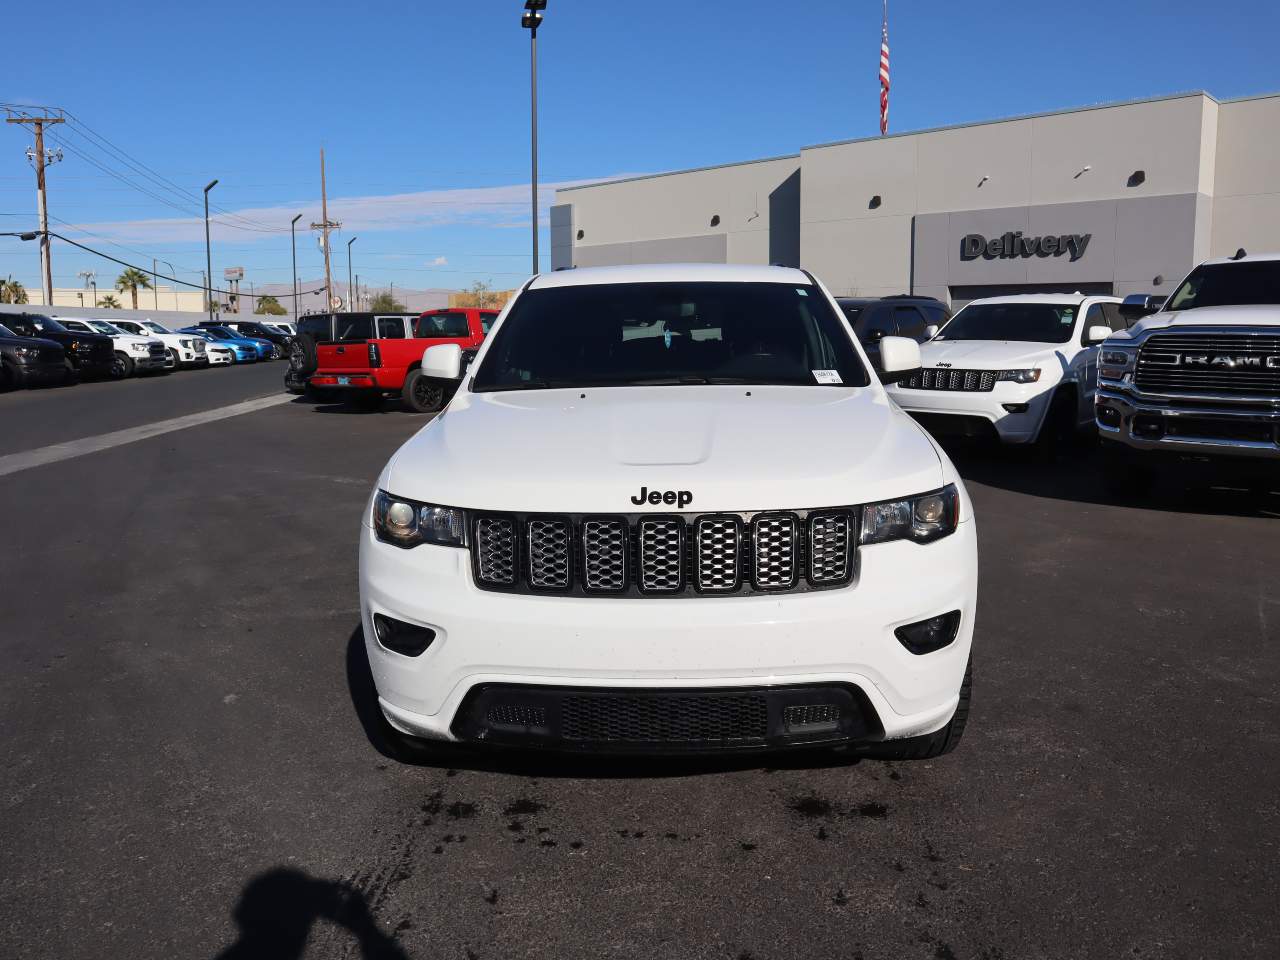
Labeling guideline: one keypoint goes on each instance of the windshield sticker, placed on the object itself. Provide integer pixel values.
(827, 376)
(666, 338)
(802, 291)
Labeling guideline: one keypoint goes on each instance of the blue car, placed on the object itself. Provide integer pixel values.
(266, 349)
(244, 351)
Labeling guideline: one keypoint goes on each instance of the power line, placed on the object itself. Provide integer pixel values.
(185, 283)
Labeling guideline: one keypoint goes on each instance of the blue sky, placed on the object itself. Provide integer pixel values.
(423, 108)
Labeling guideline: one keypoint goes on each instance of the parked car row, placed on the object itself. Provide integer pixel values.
(36, 349)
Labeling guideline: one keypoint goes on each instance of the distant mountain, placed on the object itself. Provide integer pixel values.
(416, 300)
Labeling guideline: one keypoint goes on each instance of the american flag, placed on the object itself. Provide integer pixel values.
(884, 70)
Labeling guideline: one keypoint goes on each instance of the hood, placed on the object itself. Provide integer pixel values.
(731, 448)
(41, 342)
(987, 354)
(1243, 315)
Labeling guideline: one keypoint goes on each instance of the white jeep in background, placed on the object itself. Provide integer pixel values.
(1198, 382)
(134, 354)
(185, 350)
(1023, 368)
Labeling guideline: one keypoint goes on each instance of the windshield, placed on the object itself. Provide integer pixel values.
(219, 334)
(45, 323)
(154, 327)
(103, 327)
(649, 334)
(6, 332)
(1028, 322)
(1228, 285)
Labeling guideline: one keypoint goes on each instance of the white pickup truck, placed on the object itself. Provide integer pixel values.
(1019, 368)
(134, 354)
(185, 350)
(672, 509)
(1197, 382)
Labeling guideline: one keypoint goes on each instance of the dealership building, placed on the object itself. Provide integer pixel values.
(1120, 198)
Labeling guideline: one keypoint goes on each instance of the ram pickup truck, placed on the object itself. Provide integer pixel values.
(1197, 381)
(29, 362)
(390, 363)
(184, 350)
(134, 354)
(671, 509)
(87, 354)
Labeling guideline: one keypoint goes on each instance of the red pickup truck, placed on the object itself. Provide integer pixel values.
(389, 362)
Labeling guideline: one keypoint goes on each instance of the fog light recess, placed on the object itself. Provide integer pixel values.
(1016, 407)
(926, 636)
(1108, 416)
(407, 639)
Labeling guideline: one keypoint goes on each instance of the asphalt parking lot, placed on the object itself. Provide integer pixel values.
(190, 770)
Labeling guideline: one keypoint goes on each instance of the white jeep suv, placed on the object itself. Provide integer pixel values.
(672, 509)
(1022, 367)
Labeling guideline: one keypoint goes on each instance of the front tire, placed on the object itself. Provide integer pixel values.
(934, 744)
(421, 394)
(122, 367)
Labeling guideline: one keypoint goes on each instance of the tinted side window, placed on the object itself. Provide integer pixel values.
(910, 322)
(443, 325)
(354, 327)
(935, 313)
(390, 328)
(75, 325)
(315, 327)
(876, 322)
(1115, 320)
(486, 321)
(1093, 318)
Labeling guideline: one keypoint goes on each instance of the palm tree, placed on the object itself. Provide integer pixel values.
(133, 280)
(109, 302)
(12, 291)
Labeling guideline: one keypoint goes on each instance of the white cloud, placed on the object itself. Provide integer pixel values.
(440, 262)
(483, 206)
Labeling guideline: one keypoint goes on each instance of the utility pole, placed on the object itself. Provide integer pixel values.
(324, 226)
(357, 293)
(531, 20)
(40, 158)
(293, 239)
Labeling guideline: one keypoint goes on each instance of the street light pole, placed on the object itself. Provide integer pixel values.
(293, 237)
(531, 20)
(349, 243)
(208, 255)
(155, 281)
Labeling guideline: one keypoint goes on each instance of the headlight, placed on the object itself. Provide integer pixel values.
(27, 353)
(1018, 376)
(1119, 358)
(923, 519)
(75, 344)
(407, 523)
(185, 344)
(138, 347)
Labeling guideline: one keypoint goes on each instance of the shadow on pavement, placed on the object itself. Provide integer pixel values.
(277, 910)
(416, 752)
(1075, 473)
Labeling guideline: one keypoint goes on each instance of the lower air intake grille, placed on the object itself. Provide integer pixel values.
(515, 715)
(667, 719)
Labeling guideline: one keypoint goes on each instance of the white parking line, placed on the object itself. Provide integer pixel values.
(16, 462)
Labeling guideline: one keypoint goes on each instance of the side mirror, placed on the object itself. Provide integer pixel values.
(899, 359)
(1140, 304)
(1096, 334)
(931, 331)
(443, 361)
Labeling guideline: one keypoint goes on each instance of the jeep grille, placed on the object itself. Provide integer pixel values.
(972, 381)
(644, 555)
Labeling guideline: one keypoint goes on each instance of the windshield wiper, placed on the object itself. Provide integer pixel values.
(525, 385)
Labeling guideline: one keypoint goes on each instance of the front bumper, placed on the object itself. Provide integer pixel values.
(1020, 425)
(149, 362)
(93, 366)
(33, 373)
(1212, 430)
(835, 639)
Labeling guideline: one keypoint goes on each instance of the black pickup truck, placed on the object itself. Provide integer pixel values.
(87, 354)
(28, 362)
